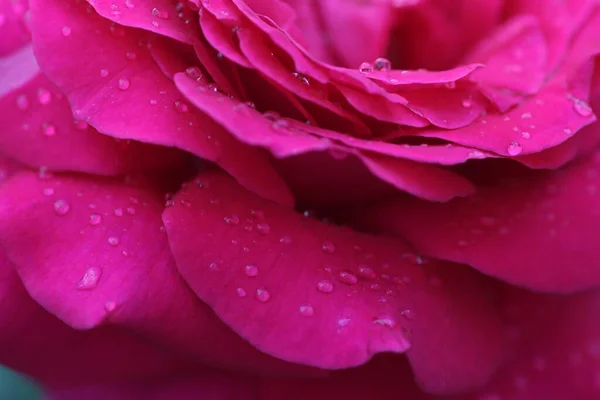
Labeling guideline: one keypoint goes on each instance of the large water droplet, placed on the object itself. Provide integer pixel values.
(251, 270)
(382, 64)
(263, 295)
(325, 286)
(90, 279)
(61, 207)
(194, 73)
(307, 310)
(582, 108)
(348, 278)
(365, 67)
(514, 148)
(124, 83)
(95, 219)
(366, 272)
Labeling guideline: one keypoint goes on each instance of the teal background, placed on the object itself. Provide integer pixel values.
(14, 386)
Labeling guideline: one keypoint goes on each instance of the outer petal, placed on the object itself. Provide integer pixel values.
(111, 91)
(538, 232)
(555, 355)
(13, 25)
(56, 357)
(92, 252)
(330, 297)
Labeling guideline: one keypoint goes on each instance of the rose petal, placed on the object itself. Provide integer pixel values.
(330, 296)
(14, 29)
(538, 232)
(55, 358)
(114, 104)
(106, 261)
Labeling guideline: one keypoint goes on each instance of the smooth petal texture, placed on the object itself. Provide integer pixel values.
(111, 91)
(14, 29)
(331, 297)
(538, 232)
(93, 253)
(55, 358)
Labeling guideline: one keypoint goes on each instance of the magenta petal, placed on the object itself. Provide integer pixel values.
(36, 343)
(538, 232)
(111, 92)
(331, 297)
(104, 255)
(14, 29)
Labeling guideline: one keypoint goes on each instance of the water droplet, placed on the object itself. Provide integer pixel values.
(240, 292)
(124, 83)
(328, 247)
(467, 103)
(113, 241)
(90, 279)
(385, 321)
(263, 229)
(382, 64)
(366, 272)
(526, 135)
(450, 85)
(66, 31)
(131, 55)
(130, 210)
(285, 240)
(408, 314)
(129, 4)
(22, 102)
(251, 270)
(514, 148)
(263, 295)
(301, 78)
(44, 96)
(582, 108)
(48, 191)
(160, 13)
(110, 306)
(307, 310)
(95, 219)
(233, 220)
(365, 67)
(568, 131)
(118, 212)
(81, 125)
(103, 72)
(348, 278)
(48, 129)
(62, 207)
(180, 106)
(194, 73)
(526, 115)
(325, 286)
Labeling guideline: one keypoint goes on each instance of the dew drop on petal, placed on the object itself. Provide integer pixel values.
(131, 55)
(385, 321)
(194, 73)
(240, 292)
(44, 96)
(263, 295)
(348, 278)
(113, 241)
(285, 240)
(66, 31)
(382, 64)
(408, 314)
(325, 286)
(582, 108)
(328, 247)
(526, 135)
(48, 129)
(103, 72)
(180, 106)
(160, 13)
(118, 212)
(366, 272)
(90, 279)
(61, 207)
(251, 270)
(95, 219)
(307, 310)
(365, 67)
(514, 148)
(110, 306)
(48, 191)
(263, 229)
(22, 102)
(124, 83)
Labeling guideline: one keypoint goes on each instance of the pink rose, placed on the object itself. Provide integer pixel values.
(157, 156)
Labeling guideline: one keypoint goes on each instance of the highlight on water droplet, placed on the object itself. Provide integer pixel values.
(62, 207)
(514, 148)
(90, 279)
(386, 321)
(95, 219)
(365, 67)
(194, 73)
(124, 83)
(306, 310)
(581, 107)
(263, 229)
(382, 64)
(263, 295)
(113, 241)
(325, 286)
(160, 13)
(104, 72)
(251, 270)
(348, 278)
